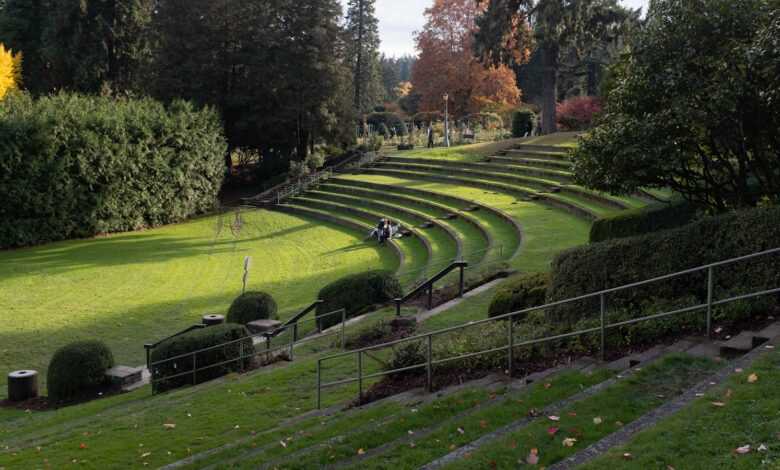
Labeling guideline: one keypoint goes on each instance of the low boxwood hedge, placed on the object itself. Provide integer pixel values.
(649, 219)
(520, 292)
(624, 261)
(356, 294)
(251, 306)
(228, 348)
(76, 369)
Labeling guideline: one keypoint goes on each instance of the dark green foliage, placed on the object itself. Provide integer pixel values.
(229, 345)
(649, 219)
(76, 369)
(251, 306)
(386, 122)
(76, 166)
(425, 118)
(518, 293)
(693, 107)
(522, 122)
(407, 355)
(623, 261)
(377, 333)
(356, 293)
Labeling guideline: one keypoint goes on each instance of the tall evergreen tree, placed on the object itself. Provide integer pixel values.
(21, 29)
(363, 53)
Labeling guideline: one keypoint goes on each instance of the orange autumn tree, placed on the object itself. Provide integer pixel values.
(447, 63)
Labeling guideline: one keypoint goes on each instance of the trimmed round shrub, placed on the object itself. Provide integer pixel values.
(84, 165)
(228, 348)
(383, 122)
(519, 293)
(78, 368)
(251, 306)
(356, 294)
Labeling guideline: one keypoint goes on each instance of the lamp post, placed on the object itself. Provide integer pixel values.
(446, 120)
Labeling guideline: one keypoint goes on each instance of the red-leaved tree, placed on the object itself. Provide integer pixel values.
(578, 113)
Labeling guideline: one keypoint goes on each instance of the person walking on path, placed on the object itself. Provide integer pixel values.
(430, 135)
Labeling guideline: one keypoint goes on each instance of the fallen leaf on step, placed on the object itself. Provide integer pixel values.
(569, 442)
(628, 456)
(533, 457)
(738, 370)
(669, 467)
(554, 418)
(412, 445)
(361, 451)
(597, 420)
(513, 445)
(729, 393)
(572, 413)
(410, 432)
(145, 455)
(284, 444)
(619, 424)
(483, 424)
(752, 378)
(552, 431)
(461, 431)
(718, 329)
(169, 426)
(547, 385)
(82, 446)
(452, 447)
(743, 450)
(699, 395)
(719, 404)
(762, 448)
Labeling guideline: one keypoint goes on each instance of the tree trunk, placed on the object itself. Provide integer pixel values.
(549, 87)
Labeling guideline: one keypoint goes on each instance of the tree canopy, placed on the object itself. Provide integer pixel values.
(694, 106)
(447, 63)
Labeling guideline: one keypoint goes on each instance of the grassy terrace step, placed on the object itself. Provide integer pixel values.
(583, 209)
(445, 245)
(615, 406)
(527, 183)
(703, 436)
(553, 157)
(515, 169)
(504, 230)
(412, 252)
(476, 238)
(399, 213)
(545, 231)
(409, 439)
(558, 164)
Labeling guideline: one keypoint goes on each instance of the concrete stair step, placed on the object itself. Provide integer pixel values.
(739, 344)
(634, 360)
(706, 350)
(770, 332)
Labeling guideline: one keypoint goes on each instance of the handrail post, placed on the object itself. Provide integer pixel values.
(148, 348)
(603, 302)
(292, 345)
(397, 307)
(295, 332)
(194, 368)
(710, 288)
(429, 365)
(430, 296)
(462, 284)
(343, 328)
(241, 356)
(511, 334)
(319, 384)
(360, 376)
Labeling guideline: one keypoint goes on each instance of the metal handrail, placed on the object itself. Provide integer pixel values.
(266, 336)
(428, 285)
(602, 328)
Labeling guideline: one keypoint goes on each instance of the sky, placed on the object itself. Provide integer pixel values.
(399, 19)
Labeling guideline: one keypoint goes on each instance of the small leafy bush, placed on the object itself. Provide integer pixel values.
(407, 355)
(386, 122)
(522, 122)
(228, 348)
(640, 221)
(519, 293)
(379, 332)
(77, 368)
(356, 293)
(251, 306)
(577, 114)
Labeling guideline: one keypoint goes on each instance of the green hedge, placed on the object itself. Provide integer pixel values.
(522, 122)
(227, 343)
(383, 122)
(518, 293)
(76, 369)
(251, 306)
(356, 294)
(640, 221)
(623, 261)
(76, 166)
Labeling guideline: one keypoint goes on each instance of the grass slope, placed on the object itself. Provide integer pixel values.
(132, 288)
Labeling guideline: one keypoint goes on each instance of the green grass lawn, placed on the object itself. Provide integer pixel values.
(131, 288)
(704, 436)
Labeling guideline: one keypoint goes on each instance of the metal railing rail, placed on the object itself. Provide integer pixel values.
(150, 346)
(188, 360)
(418, 277)
(428, 286)
(301, 185)
(367, 159)
(512, 345)
(299, 316)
